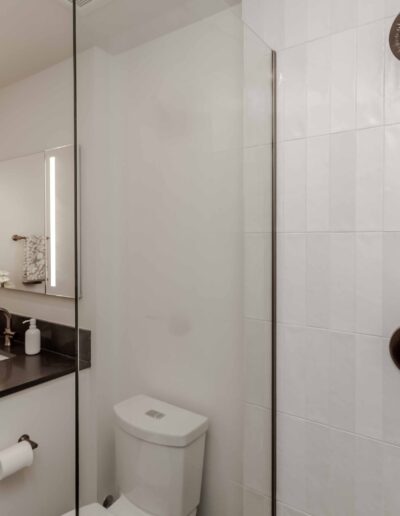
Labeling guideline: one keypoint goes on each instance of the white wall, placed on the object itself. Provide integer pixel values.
(339, 246)
(179, 148)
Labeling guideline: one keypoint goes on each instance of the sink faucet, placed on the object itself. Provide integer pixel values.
(8, 333)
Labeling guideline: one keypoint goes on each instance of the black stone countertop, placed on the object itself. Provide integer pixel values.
(22, 371)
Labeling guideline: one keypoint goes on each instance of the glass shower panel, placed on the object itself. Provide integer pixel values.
(175, 136)
(36, 391)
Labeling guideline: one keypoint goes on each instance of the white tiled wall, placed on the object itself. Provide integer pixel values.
(338, 259)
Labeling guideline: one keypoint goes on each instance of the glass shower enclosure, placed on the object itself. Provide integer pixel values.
(175, 137)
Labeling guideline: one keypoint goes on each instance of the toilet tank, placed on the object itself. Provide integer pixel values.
(159, 455)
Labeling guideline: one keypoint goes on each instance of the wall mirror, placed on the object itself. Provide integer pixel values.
(37, 230)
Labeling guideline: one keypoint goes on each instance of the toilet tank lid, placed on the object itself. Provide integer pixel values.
(157, 422)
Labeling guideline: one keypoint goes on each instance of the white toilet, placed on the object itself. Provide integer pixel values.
(159, 459)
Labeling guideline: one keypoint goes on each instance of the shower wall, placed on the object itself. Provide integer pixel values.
(338, 260)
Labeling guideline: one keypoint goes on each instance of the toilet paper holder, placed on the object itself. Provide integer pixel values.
(26, 438)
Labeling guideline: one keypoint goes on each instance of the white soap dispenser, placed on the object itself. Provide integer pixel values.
(32, 338)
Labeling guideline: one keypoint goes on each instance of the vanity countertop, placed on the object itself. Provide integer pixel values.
(22, 371)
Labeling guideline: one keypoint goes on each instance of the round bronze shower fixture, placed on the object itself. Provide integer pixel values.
(394, 37)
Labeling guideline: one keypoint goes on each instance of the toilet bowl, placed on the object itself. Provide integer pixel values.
(159, 460)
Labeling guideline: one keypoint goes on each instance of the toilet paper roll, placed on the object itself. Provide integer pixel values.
(15, 458)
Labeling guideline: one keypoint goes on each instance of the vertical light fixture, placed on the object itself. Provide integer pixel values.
(53, 231)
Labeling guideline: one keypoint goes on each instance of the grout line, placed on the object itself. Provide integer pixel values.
(339, 429)
(251, 490)
(295, 509)
(256, 405)
(382, 125)
(331, 330)
(332, 34)
(342, 232)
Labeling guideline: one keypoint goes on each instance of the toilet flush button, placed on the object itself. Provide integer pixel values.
(155, 414)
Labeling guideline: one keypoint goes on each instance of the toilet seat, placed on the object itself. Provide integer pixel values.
(122, 507)
(94, 509)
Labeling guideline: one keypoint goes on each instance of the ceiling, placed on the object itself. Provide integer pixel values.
(36, 34)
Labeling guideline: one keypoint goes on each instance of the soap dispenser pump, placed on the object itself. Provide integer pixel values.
(32, 338)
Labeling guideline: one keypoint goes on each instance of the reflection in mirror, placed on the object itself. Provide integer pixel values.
(22, 213)
(37, 230)
(60, 279)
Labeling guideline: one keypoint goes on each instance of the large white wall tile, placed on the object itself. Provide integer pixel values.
(319, 18)
(292, 278)
(391, 491)
(342, 181)
(274, 23)
(342, 475)
(265, 18)
(343, 104)
(293, 186)
(292, 356)
(392, 7)
(391, 283)
(317, 378)
(255, 280)
(318, 280)
(284, 510)
(257, 189)
(318, 163)
(291, 452)
(318, 468)
(370, 10)
(295, 19)
(369, 179)
(257, 108)
(371, 41)
(292, 98)
(369, 500)
(369, 288)
(254, 15)
(257, 362)
(342, 288)
(256, 454)
(369, 386)
(255, 504)
(318, 86)
(392, 179)
(392, 85)
(342, 381)
(344, 15)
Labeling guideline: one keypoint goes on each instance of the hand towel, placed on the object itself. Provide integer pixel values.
(34, 260)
